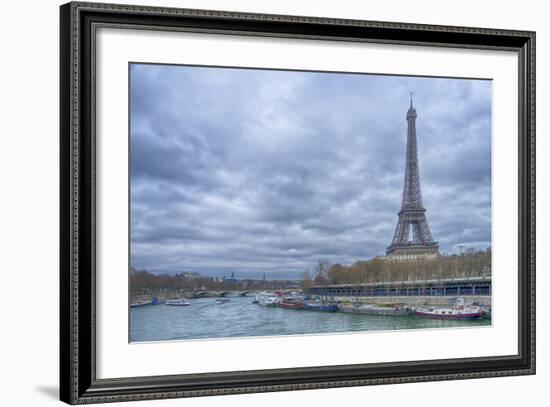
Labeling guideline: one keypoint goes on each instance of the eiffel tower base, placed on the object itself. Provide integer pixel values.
(412, 221)
(413, 250)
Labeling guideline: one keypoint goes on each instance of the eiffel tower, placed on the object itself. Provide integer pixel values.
(412, 237)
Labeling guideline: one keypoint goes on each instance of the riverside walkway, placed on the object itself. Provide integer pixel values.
(464, 286)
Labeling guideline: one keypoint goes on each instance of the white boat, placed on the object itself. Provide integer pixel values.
(267, 299)
(177, 301)
(222, 300)
(140, 304)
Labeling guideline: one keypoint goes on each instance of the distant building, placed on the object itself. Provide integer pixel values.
(190, 275)
(231, 279)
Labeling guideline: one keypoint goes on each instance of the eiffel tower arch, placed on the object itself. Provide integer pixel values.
(412, 236)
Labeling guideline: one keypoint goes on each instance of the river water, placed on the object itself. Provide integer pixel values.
(239, 317)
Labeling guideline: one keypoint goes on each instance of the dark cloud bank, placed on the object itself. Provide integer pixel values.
(253, 171)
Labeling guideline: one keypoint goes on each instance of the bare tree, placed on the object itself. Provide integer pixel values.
(321, 272)
(307, 280)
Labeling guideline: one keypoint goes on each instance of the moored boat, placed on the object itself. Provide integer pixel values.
(486, 314)
(321, 306)
(460, 312)
(138, 304)
(267, 299)
(291, 302)
(370, 309)
(457, 311)
(177, 302)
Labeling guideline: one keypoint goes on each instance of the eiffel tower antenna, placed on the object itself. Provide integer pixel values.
(412, 236)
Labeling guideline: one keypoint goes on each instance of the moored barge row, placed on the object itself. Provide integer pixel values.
(294, 301)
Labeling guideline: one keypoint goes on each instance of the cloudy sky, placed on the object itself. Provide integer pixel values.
(253, 171)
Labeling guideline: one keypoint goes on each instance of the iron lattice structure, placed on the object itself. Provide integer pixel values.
(412, 236)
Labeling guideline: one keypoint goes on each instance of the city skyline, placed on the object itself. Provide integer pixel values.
(258, 171)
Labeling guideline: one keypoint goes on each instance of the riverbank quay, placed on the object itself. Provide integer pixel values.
(445, 287)
(411, 301)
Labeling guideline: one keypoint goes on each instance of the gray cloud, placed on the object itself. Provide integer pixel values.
(253, 171)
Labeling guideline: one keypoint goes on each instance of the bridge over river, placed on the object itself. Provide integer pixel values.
(226, 293)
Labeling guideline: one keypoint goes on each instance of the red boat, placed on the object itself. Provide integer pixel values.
(291, 302)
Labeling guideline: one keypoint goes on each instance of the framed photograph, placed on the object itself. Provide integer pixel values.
(254, 203)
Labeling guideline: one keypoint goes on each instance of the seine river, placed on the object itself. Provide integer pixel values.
(239, 317)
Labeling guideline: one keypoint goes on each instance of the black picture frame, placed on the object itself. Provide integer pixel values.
(78, 382)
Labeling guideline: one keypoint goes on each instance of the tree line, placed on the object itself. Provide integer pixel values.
(386, 269)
